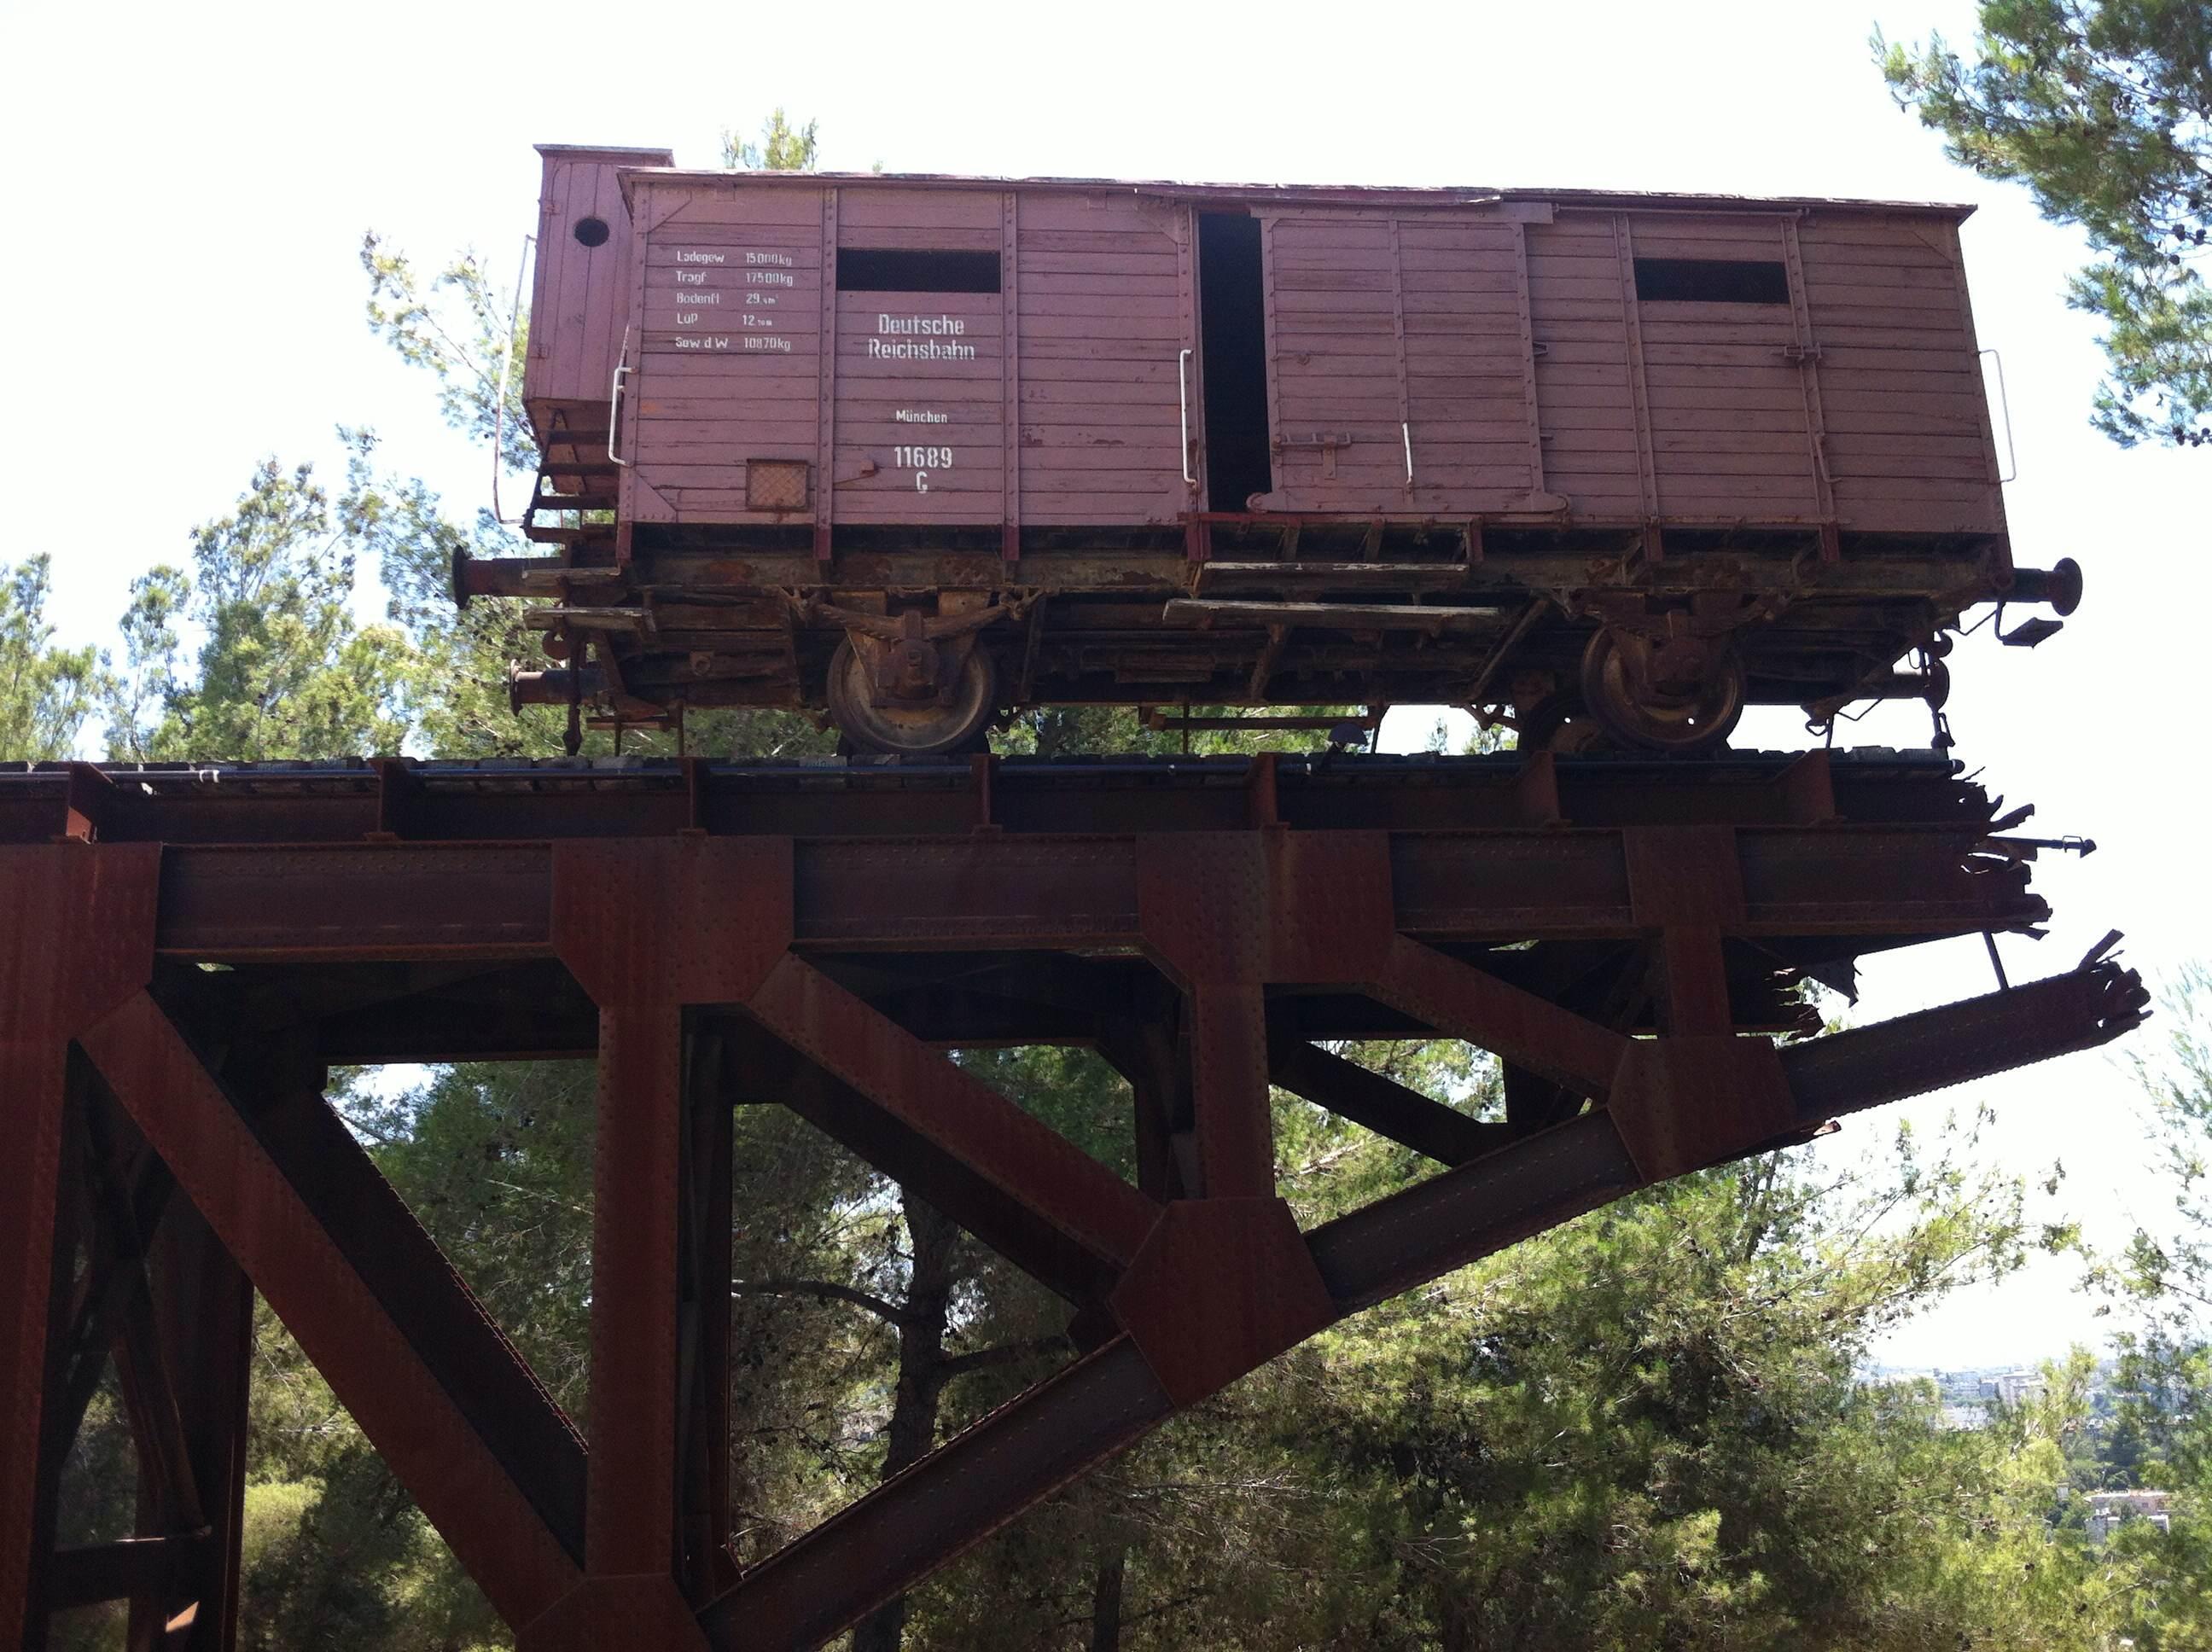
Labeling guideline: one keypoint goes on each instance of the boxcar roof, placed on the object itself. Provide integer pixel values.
(1347, 195)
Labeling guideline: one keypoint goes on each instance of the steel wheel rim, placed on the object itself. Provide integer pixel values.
(1676, 723)
(920, 730)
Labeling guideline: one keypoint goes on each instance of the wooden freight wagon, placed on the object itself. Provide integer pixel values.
(926, 449)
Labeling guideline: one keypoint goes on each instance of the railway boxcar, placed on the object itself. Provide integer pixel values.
(924, 449)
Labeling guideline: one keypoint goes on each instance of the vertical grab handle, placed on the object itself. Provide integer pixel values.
(614, 401)
(1406, 431)
(2004, 403)
(1182, 399)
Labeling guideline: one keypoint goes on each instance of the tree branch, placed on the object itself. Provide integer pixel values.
(1007, 1353)
(822, 1291)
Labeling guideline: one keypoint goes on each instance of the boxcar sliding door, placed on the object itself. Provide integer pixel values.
(1400, 362)
(1107, 367)
(1729, 374)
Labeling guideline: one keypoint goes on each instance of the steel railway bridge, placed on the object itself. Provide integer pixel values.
(185, 952)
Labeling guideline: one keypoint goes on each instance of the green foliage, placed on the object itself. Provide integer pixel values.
(46, 694)
(2163, 1280)
(782, 147)
(2104, 109)
(453, 326)
(1643, 1430)
(284, 671)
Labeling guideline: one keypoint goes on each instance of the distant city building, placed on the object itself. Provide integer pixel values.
(2108, 1511)
(2012, 1389)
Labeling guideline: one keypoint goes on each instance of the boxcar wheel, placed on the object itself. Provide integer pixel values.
(919, 729)
(1658, 716)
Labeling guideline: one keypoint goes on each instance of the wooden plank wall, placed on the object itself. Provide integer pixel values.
(1729, 434)
(729, 362)
(579, 294)
(1106, 308)
(1909, 437)
(920, 353)
(1595, 447)
(1859, 400)
(1386, 330)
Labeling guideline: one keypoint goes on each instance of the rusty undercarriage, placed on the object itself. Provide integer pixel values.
(1580, 639)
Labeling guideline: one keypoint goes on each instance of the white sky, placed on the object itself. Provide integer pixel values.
(180, 269)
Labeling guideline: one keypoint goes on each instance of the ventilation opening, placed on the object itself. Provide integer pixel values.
(1233, 328)
(592, 231)
(1712, 280)
(902, 270)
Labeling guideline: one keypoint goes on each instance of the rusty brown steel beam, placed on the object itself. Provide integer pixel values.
(76, 942)
(1383, 1105)
(400, 1401)
(1095, 1408)
(945, 1503)
(705, 1217)
(534, 1009)
(88, 1574)
(342, 803)
(204, 1319)
(629, 1591)
(416, 1289)
(1024, 1161)
(1956, 1043)
(1040, 1247)
(243, 904)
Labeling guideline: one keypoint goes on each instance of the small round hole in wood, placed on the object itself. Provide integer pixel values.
(592, 231)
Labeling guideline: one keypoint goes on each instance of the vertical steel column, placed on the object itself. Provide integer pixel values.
(79, 939)
(628, 1595)
(1203, 902)
(1154, 1057)
(650, 927)
(204, 1326)
(1698, 1094)
(41, 1094)
(1686, 884)
(704, 1350)
(635, 1175)
(1223, 1282)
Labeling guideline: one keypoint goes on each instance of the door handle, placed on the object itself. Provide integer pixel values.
(1182, 399)
(614, 401)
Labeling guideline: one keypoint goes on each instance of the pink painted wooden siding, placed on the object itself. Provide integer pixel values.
(1498, 349)
(580, 295)
(1908, 438)
(1106, 306)
(1399, 363)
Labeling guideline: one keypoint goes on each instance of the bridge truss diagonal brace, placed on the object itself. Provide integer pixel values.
(1695, 1095)
(1095, 1408)
(283, 1242)
(1024, 1164)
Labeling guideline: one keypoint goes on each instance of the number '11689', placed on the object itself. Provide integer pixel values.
(936, 459)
